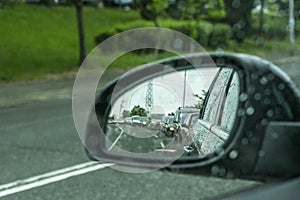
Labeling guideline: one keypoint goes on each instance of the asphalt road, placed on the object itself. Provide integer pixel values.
(38, 136)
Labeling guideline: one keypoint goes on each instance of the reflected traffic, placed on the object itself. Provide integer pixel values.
(160, 111)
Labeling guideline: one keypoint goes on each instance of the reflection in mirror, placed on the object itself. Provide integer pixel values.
(166, 109)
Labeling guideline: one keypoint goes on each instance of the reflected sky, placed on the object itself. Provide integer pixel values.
(169, 91)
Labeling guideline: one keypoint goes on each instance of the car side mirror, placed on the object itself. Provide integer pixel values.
(250, 113)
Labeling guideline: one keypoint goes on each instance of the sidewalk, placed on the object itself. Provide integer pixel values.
(24, 92)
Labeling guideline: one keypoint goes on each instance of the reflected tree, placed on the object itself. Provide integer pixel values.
(138, 110)
(200, 99)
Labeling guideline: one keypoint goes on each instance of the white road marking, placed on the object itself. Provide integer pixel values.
(51, 177)
(117, 139)
(162, 144)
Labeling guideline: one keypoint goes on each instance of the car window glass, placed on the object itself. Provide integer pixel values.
(231, 104)
(213, 105)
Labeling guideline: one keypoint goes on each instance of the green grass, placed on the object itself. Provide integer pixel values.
(36, 40)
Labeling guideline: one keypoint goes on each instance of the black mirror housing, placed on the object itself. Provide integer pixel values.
(268, 104)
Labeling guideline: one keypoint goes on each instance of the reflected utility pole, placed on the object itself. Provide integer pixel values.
(184, 88)
(292, 27)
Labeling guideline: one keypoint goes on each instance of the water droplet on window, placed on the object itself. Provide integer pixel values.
(241, 112)
(281, 86)
(249, 134)
(222, 172)
(244, 141)
(271, 76)
(254, 76)
(261, 153)
(266, 27)
(233, 154)
(264, 122)
(268, 92)
(267, 101)
(214, 170)
(220, 51)
(236, 27)
(257, 96)
(250, 111)
(270, 113)
(220, 152)
(260, 41)
(263, 81)
(178, 43)
(220, 61)
(197, 61)
(252, 89)
(243, 97)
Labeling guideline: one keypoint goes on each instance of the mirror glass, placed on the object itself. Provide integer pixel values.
(166, 109)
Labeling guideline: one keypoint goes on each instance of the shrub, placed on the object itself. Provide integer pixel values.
(219, 35)
(207, 34)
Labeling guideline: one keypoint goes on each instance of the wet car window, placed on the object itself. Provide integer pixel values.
(214, 103)
(231, 104)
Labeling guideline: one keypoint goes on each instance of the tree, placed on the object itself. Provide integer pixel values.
(238, 16)
(152, 9)
(200, 99)
(80, 27)
(282, 7)
(210, 10)
(10, 3)
(137, 110)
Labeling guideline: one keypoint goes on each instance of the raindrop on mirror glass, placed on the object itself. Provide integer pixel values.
(244, 141)
(281, 86)
(233, 154)
(222, 172)
(257, 96)
(267, 101)
(214, 170)
(250, 111)
(263, 81)
(236, 27)
(220, 151)
(266, 27)
(220, 51)
(261, 153)
(241, 112)
(178, 43)
(220, 61)
(264, 122)
(243, 97)
(197, 61)
(268, 92)
(252, 89)
(254, 76)
(271, 76)
(260, 41)
(270, 113)
(249, 134)
(242, 23)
